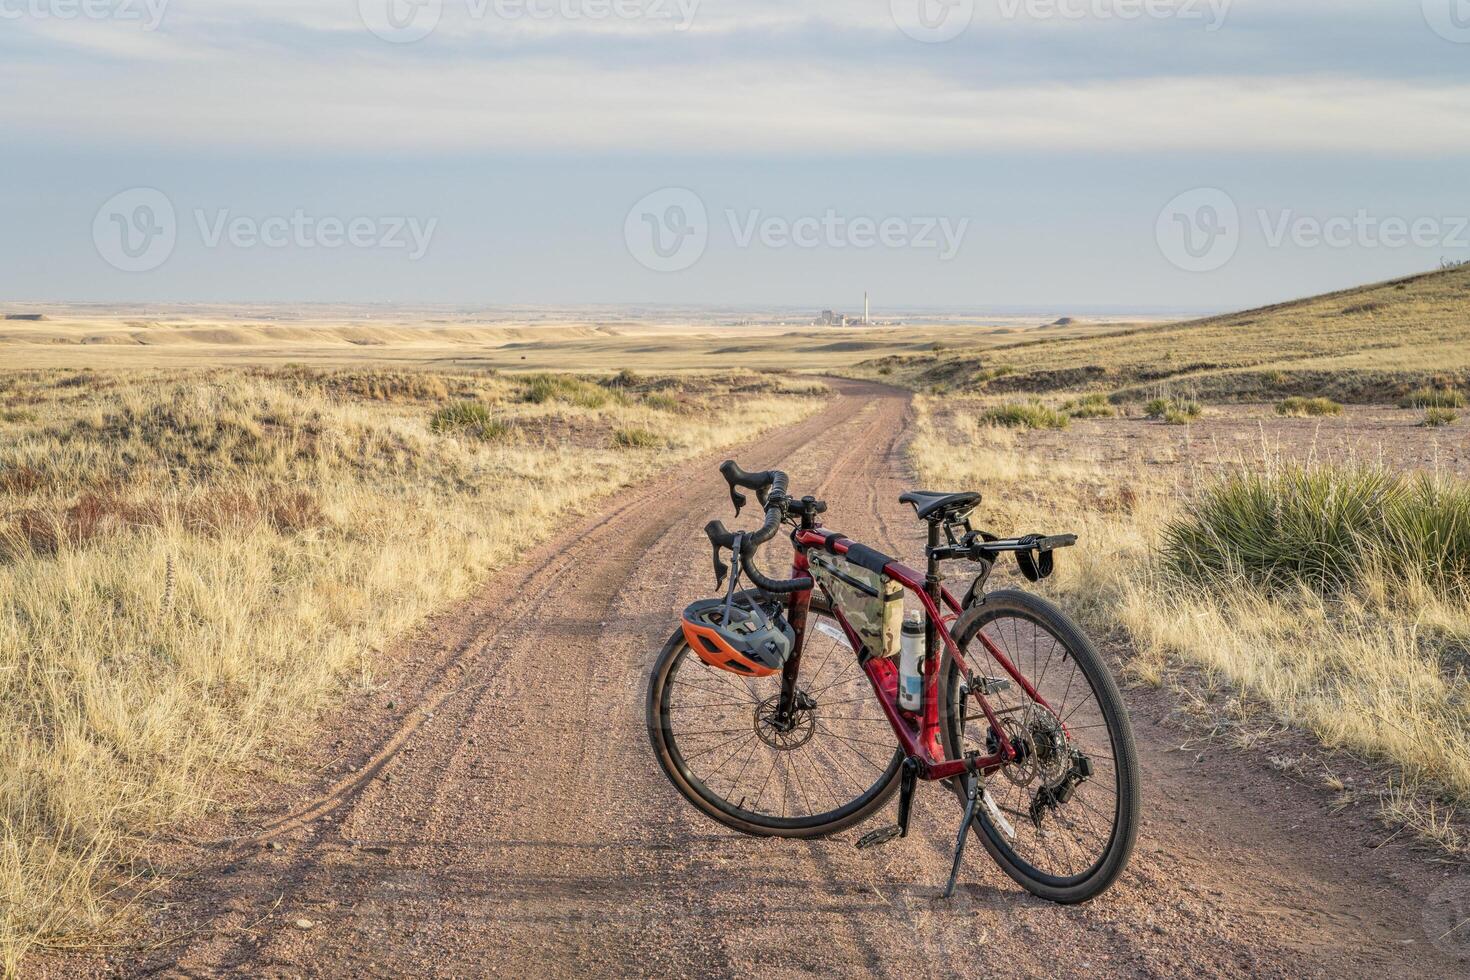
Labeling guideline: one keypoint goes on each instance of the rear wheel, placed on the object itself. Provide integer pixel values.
(1065, 816)
(716, 736)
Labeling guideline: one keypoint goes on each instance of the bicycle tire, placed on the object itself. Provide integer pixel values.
(1024, 607)
(666, 746)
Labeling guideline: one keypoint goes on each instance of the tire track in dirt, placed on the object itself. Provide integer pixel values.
(513, 820)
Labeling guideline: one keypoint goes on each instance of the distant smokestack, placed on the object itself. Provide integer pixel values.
(865, 308)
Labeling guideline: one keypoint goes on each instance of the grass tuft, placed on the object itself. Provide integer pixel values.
(1433, 398)
(637, 439)
(1329, 527)
(1094, 406)
(471, 419)
(1436, 417)
(541, 389)
(1026, 415)
(1308, 407)
(1173, 411)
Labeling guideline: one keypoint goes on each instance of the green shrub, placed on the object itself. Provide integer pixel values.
(1174, 411)
(658, 401)
(1436, 417)
(1026, 415)
(637, 439)
(542, 388)
(1433, 398)
(1325, 526)
(471, 419)
(1094, 406)
(1303, 407)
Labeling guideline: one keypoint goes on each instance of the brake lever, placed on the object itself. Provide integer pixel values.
(737, 498)
(715, 530)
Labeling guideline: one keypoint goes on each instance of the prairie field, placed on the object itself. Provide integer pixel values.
(194, 563)
(71, 337)
(212, 526)
(1367, 345)
(1283, 559)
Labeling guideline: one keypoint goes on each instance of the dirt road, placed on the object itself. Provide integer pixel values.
(497, 810)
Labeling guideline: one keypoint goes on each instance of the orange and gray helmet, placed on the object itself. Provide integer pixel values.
(738, 635)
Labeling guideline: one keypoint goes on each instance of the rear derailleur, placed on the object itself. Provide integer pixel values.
(1054, 796)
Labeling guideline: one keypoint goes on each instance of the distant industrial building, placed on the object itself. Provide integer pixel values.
(831, 319)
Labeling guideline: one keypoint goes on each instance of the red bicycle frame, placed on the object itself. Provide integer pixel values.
(918, 732)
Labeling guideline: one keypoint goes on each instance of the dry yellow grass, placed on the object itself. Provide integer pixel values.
(192, 564)
(1367, 344)
(1378, 670)
(80, 337)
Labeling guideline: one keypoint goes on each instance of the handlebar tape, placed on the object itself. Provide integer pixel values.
(766, 484)
(770, 487)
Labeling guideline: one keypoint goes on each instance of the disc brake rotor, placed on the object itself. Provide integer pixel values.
(788, 733)
(1043, 750)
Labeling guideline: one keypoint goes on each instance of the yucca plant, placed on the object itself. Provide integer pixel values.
(1093, 406)
(1313, 407)
(1026, 415)
(469, 418)
(1326, 527)
(1433, 398)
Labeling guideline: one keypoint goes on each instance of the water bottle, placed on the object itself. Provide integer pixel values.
(911, 662)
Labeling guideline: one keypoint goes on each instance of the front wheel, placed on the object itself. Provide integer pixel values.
(716, 736)
(1062, 819)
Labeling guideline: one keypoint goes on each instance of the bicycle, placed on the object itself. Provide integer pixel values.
(817, 739)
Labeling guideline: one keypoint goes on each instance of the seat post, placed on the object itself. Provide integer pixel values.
(932, 584)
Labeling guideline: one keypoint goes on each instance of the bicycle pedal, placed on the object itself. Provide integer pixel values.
(879, 837)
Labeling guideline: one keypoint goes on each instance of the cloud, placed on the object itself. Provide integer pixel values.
(797, 76)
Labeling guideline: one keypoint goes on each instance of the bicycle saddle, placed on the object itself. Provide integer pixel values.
(931, 506)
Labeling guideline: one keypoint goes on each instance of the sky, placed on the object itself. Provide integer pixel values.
(966, 155)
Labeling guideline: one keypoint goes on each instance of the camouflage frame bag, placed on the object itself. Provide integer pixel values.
(872, 604)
